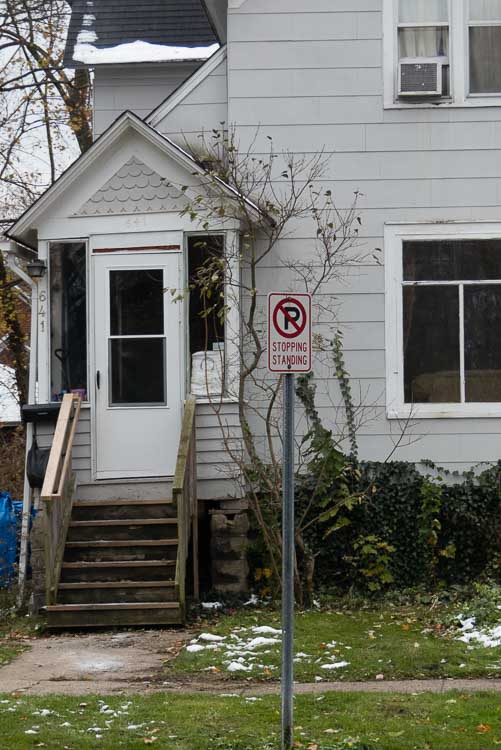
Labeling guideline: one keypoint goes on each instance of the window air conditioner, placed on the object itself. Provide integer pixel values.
(420, 77)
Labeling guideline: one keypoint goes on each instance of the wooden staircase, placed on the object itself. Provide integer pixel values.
(119, 566)
(123, 562)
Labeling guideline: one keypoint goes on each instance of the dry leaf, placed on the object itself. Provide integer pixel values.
(483, 728)
(150, 740)
(406, 627)
(312, 747)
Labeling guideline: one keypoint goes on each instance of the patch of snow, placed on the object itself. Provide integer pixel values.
(194, 647)
(335, 665)
(252, 602)
(138, 51)
(212, 605)
(210, 637)
(88, 19)
(260, 641)
(266, 629)
(471, 634)
(86, 37)
(236, 666)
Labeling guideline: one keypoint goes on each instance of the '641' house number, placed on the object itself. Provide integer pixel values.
(42, 310)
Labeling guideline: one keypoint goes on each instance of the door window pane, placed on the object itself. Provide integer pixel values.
(452, 260)
(136, 302)
(137, 371)
(68, 318)
(431, 344)
(482, 342)
(485, 59)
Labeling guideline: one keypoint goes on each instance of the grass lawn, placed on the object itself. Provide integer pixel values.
(394, 642)
(15, 630)
(451, 721)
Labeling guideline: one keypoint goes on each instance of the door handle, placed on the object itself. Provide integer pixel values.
(98, 379)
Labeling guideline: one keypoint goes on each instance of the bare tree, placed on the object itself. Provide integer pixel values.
(271, 195)
(44, 109)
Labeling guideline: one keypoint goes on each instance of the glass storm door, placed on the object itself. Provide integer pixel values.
(137, 363)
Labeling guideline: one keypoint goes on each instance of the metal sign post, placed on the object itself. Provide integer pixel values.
(289, 352)
(288, 566)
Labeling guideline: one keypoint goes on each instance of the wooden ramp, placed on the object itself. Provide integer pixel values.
(120, 562)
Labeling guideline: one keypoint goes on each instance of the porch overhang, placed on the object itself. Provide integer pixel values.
(24, 230)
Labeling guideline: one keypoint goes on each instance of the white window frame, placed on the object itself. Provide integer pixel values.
(458, 62)
(394, 237)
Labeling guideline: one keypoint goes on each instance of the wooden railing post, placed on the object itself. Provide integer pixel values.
(184, 493)
(57, 492)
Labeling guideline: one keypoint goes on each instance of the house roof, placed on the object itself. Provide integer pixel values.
(106, 24)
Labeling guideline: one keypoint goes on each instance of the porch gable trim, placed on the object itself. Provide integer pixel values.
(185, 89)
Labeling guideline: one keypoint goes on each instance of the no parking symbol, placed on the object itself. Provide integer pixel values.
(289, 333)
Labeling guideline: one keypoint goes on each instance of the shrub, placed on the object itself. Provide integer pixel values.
(412, 530)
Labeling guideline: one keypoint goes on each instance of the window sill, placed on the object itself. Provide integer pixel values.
(445, 411)
(446, 104)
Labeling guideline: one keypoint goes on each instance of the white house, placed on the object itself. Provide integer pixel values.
(405, 98)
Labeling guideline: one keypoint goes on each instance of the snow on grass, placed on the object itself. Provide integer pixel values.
(138, 51)
(336, 665)
(242, 650)
(489, 637)
(256, 648)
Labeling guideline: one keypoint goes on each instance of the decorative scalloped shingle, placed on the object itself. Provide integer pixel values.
(134, 189)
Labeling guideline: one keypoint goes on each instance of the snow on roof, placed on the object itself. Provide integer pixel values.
(85, 52)
(108, 24)
(9, 399)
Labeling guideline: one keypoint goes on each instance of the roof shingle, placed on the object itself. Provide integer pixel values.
(177, 23)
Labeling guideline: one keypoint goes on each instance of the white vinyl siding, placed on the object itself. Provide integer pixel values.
(413, 164)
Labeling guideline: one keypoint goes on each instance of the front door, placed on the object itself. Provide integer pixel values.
(138, 395)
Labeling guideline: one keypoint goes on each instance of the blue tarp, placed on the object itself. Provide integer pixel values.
(8, 537)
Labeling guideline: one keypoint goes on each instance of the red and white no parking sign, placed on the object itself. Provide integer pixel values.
(289, 332)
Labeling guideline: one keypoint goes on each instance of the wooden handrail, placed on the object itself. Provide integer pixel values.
(184, 493)
(57, 492)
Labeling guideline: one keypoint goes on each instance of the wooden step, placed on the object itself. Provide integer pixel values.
(123, 529)
(124, 522)
(113, 614)
(115, 585)
(122, 543)
(118, 550)
(121, 564)
(127, 570)
(108, 592)
(122, 509)
(110, 503)
(113, 605)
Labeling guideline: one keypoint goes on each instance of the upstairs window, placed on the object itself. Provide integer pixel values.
(423, 46)
(442, 52)
(484, 36)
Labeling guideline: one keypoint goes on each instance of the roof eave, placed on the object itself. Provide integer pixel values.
(25, 223)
